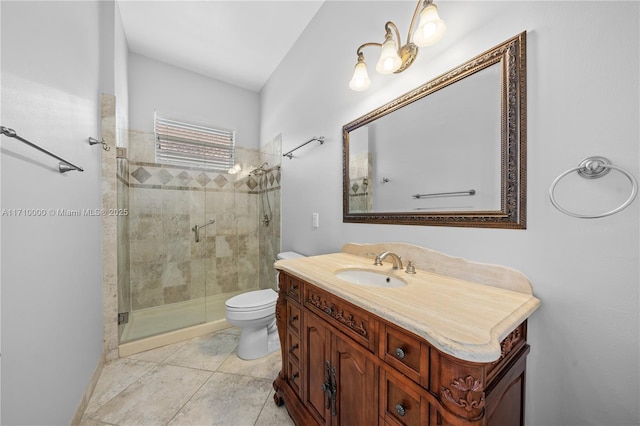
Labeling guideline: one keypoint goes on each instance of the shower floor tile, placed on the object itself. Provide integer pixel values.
(197, 382)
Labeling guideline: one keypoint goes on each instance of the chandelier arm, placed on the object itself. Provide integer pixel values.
(415, 15)
(359, 51)
(391, 24)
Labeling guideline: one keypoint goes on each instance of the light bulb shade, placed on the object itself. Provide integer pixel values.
(430, 28)
(390, 60)
(360, 80)
(235, 169)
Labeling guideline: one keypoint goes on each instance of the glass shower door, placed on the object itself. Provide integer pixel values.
(166, 265)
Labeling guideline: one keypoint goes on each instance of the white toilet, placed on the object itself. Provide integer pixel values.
(255, 313)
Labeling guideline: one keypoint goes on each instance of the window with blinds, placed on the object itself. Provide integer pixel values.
(185, 144)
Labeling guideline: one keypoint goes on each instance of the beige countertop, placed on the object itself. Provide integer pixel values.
(461, 318)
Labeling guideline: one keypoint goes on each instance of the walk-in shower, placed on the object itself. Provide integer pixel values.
(192, 239)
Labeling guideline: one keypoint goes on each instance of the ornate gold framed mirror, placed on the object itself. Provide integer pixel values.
(451, 152)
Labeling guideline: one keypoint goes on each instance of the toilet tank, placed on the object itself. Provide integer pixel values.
(289, 255)
(286, 255)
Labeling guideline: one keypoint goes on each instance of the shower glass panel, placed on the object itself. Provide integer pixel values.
(166, 279)
(233, 264)
(166, 270)
(124, 282)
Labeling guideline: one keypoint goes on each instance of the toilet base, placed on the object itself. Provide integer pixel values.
(258, 342)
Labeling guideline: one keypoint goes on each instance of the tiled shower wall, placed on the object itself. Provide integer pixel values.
(167, 265)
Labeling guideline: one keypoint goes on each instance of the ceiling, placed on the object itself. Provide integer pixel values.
(239, 42)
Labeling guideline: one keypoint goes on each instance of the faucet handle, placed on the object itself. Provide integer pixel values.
(411, 269)
(377, 261)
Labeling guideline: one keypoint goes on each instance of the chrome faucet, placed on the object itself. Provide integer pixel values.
(397, 263)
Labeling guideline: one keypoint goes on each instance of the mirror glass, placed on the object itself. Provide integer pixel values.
(450, 152)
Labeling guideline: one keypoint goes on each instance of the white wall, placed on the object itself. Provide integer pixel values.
(184, 95)
(120, 69)
(583, 100)
(51, 265)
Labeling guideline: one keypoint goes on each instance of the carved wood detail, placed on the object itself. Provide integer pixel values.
(339, 315)
(280, 306)
(468, 393)
(509, 343)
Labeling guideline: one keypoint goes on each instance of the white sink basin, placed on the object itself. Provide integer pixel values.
(369, 278)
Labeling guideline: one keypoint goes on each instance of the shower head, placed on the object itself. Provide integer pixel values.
(260, 170)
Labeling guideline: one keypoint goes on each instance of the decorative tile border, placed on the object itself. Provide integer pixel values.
(359, 186)
(162, 176)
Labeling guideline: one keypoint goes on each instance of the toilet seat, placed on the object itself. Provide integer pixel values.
(252, 301)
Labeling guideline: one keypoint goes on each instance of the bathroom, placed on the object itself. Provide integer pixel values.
(582, 100)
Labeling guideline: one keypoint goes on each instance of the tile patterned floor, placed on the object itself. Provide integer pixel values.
(197, 382)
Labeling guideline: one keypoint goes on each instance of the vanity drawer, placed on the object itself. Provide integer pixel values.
(405, 352)
(401, 401)
(294, 375)
(294, 318)
(351, 320)
(293, 287)
(293, 346)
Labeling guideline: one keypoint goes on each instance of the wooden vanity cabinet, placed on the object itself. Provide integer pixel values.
(342, 365)
(340, 377)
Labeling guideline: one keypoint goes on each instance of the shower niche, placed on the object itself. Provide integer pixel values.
(193, 237)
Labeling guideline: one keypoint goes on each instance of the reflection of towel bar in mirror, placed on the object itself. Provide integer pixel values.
(445, 194)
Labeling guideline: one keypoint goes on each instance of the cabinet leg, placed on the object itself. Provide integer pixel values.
(277, 399)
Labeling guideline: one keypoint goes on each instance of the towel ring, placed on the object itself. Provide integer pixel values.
(593, 168)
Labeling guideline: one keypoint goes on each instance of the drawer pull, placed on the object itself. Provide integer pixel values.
(329, 310)
(400, 353)
(293, 319)
(293, 288)
(294, 376)
(293, 348)
(401, 410)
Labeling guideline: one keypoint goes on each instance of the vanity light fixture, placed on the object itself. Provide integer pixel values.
(395, 59)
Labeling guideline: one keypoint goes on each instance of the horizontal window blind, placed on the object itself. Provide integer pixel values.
(185, 144)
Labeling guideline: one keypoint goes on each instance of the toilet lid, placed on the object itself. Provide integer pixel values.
(253, 299)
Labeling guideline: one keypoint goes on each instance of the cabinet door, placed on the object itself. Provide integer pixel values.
(356, 385)
(316, 356)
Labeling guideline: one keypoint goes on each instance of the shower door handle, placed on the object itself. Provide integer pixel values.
(196, 229)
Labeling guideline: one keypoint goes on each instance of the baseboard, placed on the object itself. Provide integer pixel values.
(77, 417)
